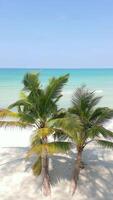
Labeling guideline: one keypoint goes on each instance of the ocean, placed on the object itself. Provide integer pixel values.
(100, 80)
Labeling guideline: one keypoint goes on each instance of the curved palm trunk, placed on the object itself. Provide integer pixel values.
(76, 171)
(45, 173)
(46, 180)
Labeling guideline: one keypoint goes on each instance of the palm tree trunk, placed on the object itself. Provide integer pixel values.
(45, 172)
(46, 179)
(76, 171)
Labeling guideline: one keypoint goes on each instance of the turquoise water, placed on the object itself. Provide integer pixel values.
(100, 80)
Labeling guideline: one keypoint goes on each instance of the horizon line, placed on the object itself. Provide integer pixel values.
(52, 68)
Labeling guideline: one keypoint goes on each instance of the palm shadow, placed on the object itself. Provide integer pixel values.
(12, 158)
(61, 168)
(97, 176)
(96, 180)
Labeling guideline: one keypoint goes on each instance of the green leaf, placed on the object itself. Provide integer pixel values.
(50, 148)
(39, 134)
(70, 125)
(93, 131)
(37, 167)
(8, 113)
(58, 147)
(23, 95)
(83, 102)
(105, 132)
(101, 115)
(37, 149)
(42, 132)
(96, 130)
(31, 81)
(14, 124)
(105, 144)
(53, 90)
(21, 102)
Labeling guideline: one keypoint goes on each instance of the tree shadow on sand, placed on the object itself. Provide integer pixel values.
(12, 159)
(95, 181)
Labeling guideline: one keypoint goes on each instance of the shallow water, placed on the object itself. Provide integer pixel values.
(100, 80)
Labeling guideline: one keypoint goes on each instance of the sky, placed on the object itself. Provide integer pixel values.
(56, 33)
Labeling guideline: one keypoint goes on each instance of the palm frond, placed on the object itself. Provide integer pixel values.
(27, 117)
(31, 82)
(42, 132)
(105, 132)
(101, 115)
(97, 130)
(70, 126)
(35, 140)
(54, 88)
(105, 144)
(58, 147)
(61, 113)
(84, 100)
(23, 95)
(14, 124)
(21, 102)
(60, 135)
(37, 149)
(50, 148)
(39, 134)
(37, 167)
(8, 113)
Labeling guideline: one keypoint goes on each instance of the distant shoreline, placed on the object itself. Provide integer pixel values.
(59, 68)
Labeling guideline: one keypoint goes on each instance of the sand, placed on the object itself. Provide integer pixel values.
(18, 183)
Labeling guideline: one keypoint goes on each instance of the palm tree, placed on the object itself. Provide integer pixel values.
(83, 124)
(36, 107)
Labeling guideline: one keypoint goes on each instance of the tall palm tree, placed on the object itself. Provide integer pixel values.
(83, 124)
(36, 107)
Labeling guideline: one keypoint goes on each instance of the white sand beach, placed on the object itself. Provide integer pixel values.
(18, 182)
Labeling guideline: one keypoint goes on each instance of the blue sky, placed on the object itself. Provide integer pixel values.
(56, 33)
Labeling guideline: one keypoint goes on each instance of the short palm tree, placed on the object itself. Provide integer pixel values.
(83, 124)
(36, 108)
